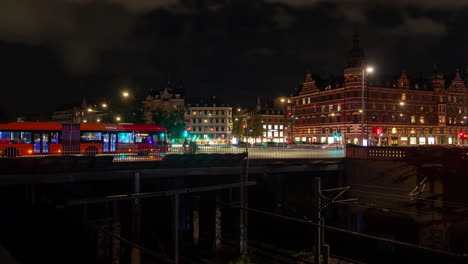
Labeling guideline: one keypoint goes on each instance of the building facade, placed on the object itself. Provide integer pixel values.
(208, 121)
(92, 112)
(169, 99)
(361, 110)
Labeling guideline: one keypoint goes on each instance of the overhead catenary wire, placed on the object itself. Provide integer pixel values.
(348, 231)
(446, 203)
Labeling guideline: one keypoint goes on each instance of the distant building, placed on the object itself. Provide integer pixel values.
(92, 112)
(209, 120)
(168, 99)
(275, 127)
(399, 111)
(33, 117)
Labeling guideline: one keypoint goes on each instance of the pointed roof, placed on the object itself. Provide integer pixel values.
(403, 82)
(308, 85)
(457, 84)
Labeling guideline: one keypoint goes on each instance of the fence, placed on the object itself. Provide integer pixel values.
(407, 153)
(124, 154)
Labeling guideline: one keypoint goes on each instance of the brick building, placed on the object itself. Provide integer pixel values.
(360, 109)
(168, 99)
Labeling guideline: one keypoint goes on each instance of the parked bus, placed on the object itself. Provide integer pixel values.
(43, 138)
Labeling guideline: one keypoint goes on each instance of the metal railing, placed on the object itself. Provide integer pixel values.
(121, 154)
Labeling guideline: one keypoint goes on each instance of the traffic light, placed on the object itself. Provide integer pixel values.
(463, 135)
(185, 134)
(378, 131)
(290, 115)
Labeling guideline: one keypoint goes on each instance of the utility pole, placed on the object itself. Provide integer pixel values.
(318, 208)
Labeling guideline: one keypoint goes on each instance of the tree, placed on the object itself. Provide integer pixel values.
(124, 111)
(255, 126)
(237, 127)
(172, 120)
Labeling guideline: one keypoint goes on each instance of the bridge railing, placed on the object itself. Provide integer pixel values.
(407, 153)
(279, 151)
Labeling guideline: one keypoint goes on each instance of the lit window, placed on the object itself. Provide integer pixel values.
(394, 130)
(413, 119)
(421, 119)
(91, 136)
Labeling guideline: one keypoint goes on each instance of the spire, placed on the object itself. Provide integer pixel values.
(355, 54)
(259, 104)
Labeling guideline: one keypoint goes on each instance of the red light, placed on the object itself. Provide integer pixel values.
(188, 129)
(244, 126)
(289, 113)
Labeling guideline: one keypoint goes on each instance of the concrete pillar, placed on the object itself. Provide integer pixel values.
(196, 222)
(136, 221)
(218, 229)
(176, 229)
(116, 230)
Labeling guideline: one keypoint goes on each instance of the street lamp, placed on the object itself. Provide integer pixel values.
(125, 94)
(117, 118)
(104, 105)
(287, 108)
(365, 69)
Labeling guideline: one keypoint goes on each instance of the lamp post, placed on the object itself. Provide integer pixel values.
(366, 69)
(287, 107)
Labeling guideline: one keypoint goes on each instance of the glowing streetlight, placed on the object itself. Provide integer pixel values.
(125, 94)
(402, 103)
(117, 118)
(90, 109)
(104, 105)
(282, 100)
(365, 69)
(238, 109)
(99, 120)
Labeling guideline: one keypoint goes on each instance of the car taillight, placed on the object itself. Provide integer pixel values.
(30, 151)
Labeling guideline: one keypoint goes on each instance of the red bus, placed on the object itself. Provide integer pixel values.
(43, 138)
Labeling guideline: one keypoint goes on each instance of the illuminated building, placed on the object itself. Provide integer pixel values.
(168, 99)
(401, 111)
(91, 112)
(273, 121)
(209, 120)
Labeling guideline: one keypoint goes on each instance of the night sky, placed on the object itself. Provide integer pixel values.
(57, 51)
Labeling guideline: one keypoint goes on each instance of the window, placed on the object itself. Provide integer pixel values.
(413, 119)
(338, 118)
(89, 137)
(16, 137)
(338, 107)
(125, 137)
(54, 137)
(421, 119)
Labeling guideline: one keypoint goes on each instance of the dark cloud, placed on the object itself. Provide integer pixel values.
(230, 48)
